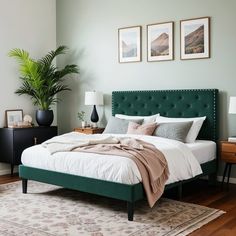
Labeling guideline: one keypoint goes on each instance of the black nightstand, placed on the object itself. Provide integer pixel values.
(14, 140)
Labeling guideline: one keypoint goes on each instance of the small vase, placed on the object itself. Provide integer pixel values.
(83, 124)
(44, 117)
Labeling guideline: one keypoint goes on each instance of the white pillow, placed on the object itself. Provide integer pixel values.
(194, 130)
(146, 119)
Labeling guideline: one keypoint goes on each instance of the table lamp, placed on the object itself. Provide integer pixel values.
(94, 98)
(232, 110)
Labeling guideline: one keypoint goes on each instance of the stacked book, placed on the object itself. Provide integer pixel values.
(232, 139)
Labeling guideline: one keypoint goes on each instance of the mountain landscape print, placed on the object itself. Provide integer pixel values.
(194, 40)
(160, 41)
(160, 45)
(129, 50)
(129, 44)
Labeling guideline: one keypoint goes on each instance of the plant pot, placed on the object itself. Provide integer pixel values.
(83, 124)
(44, 117)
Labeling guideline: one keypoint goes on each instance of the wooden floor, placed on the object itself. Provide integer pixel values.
(199, 192)
(4, 179)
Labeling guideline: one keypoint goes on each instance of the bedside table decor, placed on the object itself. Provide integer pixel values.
(94, 98)
(41, 80)
(13, 117)
(81, 115)
(228, 155)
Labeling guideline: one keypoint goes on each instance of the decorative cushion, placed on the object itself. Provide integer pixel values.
(193, 131)
(118, 126)
(146, 119)
(145, 129)
(177, 131)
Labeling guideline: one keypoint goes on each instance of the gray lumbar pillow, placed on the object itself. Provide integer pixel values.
(177, 131)
(118, 126)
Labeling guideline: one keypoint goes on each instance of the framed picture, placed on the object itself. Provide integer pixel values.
(160, 41)
(129, 40)
(13, 117)
(195, 38)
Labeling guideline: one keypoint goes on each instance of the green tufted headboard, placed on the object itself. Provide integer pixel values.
(172, 103)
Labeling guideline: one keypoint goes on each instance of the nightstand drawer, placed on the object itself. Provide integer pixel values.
(84, 131)
(24, 138)
(229, 157)
(89, 130)
(228, 147)
(14, 140)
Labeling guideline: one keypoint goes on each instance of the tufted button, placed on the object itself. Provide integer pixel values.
(180, 114)
(157, 105)
(136, 113)
(149, 113)
(164, 113)
(197, 97)
(150, 98)
(172, 105)
(188, 105)
(129, 105)
(180, 97)
(136, 98)
(164, 97)
(123, 98)
(206, 105)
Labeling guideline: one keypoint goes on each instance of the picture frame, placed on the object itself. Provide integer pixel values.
(13, 117)
(129, 44)
(195, 38)
(160, 41)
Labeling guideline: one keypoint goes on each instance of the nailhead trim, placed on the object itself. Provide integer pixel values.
(214, 135)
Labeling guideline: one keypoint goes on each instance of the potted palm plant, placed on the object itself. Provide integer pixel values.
(42, 80)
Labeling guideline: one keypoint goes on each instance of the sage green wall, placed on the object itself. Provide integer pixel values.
(89, 28)
(30, 25)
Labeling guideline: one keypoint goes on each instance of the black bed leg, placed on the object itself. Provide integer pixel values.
(24, 185)
(212, 179)
(130, 209)
(180, 191)
(12, 169)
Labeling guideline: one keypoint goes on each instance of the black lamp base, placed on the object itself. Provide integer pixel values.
(94, 116)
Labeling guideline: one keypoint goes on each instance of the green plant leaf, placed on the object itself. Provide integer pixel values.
(41, 80)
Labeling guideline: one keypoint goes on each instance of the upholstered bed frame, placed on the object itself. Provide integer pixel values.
(171, 103)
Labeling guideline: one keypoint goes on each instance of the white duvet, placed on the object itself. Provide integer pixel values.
(181, 161)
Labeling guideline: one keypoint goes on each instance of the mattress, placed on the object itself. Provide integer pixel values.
(181, 161)
(203, 150)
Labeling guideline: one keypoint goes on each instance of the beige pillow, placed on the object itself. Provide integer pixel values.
(145, 129)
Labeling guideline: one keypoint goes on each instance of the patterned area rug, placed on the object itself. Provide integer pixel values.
(49, 210)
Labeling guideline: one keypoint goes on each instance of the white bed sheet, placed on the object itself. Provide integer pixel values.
(181, 162)
(203, 150)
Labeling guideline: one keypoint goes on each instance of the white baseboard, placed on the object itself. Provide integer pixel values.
(8, 171)
(231, 180)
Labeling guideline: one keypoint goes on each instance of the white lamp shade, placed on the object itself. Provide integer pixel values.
(93, 98)
(232, 105)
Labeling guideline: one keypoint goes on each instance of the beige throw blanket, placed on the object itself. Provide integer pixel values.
(67, 143)
(150, 161)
